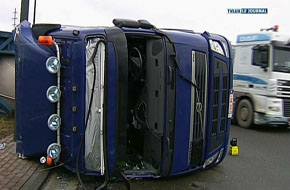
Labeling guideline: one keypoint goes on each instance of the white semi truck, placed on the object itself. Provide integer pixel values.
(262, 79)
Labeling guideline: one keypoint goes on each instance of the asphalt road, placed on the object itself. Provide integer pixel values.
(263, 163)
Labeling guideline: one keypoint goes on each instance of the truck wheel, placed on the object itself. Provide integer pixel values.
(244, 114)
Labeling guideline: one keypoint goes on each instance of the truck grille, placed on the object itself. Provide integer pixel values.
(198, 106)
(283, 88)
(286, 107)
(284, 82)
(220, 97)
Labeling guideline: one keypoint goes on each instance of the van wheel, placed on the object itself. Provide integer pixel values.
(244, 114)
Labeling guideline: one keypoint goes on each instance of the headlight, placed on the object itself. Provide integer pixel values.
(215, 46)
(52, 65)
(225, 48)
(53, 150)
(53, 94)
(54, 122)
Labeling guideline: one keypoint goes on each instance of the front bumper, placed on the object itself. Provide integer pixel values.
(266, 119)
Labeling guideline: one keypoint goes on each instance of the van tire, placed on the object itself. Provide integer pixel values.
(244, 114)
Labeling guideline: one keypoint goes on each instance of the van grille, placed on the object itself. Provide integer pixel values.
(219, 102)
(200, 77)
(198, 108)
(220, 97)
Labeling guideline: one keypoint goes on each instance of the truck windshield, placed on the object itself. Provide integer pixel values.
(281, 59)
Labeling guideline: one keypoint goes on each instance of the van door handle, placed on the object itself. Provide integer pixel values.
(168, 143)
(171, 72)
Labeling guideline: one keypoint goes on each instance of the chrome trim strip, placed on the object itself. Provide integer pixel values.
(205, 96)
(58, 85)
(191, 106)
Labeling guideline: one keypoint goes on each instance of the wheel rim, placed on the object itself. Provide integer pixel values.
(244, 113)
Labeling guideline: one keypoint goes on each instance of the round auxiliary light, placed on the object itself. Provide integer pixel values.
(53, 122)
(53, 94)
(53, 150)
(52, 65)
(42, 160)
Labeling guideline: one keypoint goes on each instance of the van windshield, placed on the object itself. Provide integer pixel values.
(281, 59)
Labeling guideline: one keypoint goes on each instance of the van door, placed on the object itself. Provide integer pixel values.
(168, 146)
(116, 97)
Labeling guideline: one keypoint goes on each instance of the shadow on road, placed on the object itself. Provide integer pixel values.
(271, 129)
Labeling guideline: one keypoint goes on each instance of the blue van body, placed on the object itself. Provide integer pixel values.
(181, 148)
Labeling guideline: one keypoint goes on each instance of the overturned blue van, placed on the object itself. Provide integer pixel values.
(133, 98)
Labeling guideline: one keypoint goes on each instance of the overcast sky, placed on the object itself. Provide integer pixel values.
(199, 16)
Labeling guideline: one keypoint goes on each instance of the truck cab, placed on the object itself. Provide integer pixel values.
(262, 79)
(133, 98)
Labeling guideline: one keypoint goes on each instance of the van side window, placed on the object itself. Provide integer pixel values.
(261, 56)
